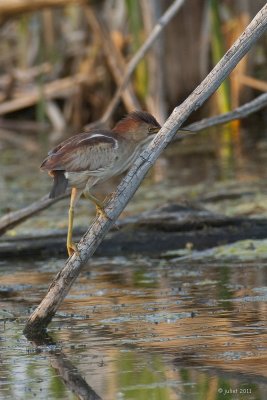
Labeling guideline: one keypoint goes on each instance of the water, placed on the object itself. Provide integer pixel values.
(140, 327)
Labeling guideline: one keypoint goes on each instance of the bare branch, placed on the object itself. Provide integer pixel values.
(61, 285)
(161, 24)
(58, 88)
(114, 58)
(12, 219)
(21, 125)
(239, 113)
(26, 76)
(17, 140)
(253, 82)
(156, 97)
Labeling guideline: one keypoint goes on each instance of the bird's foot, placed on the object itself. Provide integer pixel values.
(98, 204)
(102, 212)
(72, 248)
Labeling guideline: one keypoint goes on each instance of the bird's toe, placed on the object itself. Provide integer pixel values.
(72, 248)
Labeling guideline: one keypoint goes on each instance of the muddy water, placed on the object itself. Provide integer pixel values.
(143, 328)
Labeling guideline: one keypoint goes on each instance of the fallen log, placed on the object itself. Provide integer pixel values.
(171, 227)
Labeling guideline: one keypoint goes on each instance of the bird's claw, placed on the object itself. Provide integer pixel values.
(100, 211)
(72, 248)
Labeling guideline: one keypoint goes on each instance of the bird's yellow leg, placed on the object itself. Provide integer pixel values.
(99, 205)
(71, 246)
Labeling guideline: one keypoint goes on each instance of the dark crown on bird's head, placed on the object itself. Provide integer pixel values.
(144, 117)
(138, 123)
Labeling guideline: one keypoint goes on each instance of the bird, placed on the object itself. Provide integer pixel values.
(92, 157)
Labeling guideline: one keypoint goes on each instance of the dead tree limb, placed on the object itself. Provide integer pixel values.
(241, 112)
(14, 218)
(62, 283)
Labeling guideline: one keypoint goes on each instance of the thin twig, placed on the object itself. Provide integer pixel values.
(239, 113)
(114, 58)
(26, 76)
(9, 8)
(22, 125)
(14, 218)
(61, 285)
(156, 97)
(15, 139)
(161, 24)
(253, 82)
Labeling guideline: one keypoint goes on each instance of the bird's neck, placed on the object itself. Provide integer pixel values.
(129, 151)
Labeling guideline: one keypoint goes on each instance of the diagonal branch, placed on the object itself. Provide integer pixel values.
(161, 24)
(240, 112)
(114, 58)
(59, 288)
(15, 218)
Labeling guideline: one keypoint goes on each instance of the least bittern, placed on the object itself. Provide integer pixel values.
(86, 159)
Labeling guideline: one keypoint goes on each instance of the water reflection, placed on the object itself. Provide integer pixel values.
(64, 368)
(139, 329)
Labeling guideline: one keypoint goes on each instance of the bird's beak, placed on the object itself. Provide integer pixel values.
(153, 130)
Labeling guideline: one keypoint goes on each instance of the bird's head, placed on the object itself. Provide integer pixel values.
(137, 126)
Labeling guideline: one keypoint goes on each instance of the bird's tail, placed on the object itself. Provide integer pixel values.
(60, 184)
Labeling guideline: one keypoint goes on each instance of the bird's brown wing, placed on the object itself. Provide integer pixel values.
(85, 152)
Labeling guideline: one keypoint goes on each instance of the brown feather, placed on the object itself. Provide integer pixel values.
(92, 157)
(81, 152)
(144, 117)
(133, 120)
